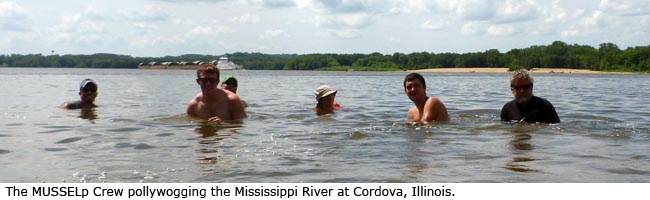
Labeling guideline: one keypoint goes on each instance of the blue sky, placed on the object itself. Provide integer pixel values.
(175, 27)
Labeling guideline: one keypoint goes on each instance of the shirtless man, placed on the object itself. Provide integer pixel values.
(426, 108)
(214, 104)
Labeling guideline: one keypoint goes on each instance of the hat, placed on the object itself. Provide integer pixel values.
(85, 83)
(228, 78)
(323, 91)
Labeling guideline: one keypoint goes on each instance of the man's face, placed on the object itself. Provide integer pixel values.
(89, 93)
(229, 86)
(207, 81)
(414, 89)
(327, 100)
(522, 90)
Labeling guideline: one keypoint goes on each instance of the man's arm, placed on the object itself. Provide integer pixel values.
(191, 108)
(552, 114)
(237, 108)
(411, 115)
(504, 113)
(434, 109)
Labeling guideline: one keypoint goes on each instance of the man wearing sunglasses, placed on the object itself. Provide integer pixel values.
(214, 104)
(526, 107)
(87, 94)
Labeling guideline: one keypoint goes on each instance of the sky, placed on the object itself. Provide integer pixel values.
(175, 27)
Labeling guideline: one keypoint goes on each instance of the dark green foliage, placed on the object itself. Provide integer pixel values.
(607, 57)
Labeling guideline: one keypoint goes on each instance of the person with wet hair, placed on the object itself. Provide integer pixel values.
(214, 104)
(426, 108)
(526, 107)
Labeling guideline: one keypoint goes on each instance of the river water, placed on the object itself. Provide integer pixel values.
(139, 132)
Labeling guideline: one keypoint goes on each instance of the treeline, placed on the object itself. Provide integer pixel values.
(607, 57)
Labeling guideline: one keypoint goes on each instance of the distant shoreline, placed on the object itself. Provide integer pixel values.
(172, 67)
(505, 70)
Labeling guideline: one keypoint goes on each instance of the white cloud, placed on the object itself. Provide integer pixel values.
(345, 34)
(355, 6)
(278, 3)
(155, 27)
(595, 20)
(476, 9)
(432, 6)
(273, 33)
(246, 19)
(645, 21)
(472, 28)
(210, 30)
(85, 29)
(501, 30)
(435, 24)
(345, 21)
(555, 13)
(13, 17)
(149, 13)
(625, 7)
(573, 31)
(519, 10)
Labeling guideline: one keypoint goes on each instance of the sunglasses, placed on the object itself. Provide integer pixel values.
(525, 87)
(89, 90)
(212, 80)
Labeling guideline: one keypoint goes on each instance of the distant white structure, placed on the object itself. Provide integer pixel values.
(224, 64)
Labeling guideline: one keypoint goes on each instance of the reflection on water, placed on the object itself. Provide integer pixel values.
(521, 147)
(140, 134)
(88, 113)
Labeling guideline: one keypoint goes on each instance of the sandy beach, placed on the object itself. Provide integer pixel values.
(505, 70)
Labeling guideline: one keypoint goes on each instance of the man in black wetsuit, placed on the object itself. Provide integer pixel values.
(526, 107)
(87, 94)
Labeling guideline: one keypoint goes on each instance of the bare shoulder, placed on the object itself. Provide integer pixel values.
(232, 96)
(196, 99)
(412, 114)
(413, 109)
(435, 110)
(193, 104)
(434, 102)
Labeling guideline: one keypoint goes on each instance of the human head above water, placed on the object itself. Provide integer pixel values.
(414, 76)
(207, 68)
(88, 83)
(521, 74)
(230, 80)
(323, 91)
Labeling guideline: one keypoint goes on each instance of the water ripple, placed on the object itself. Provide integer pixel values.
(55, 131)
(630, 171)
(143, 146)
(15, 124)
(2, 151)
(56, 149)
(126, 129)
(140, 146)
(69, 140)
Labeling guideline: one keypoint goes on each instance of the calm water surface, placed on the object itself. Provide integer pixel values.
(139, 132)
